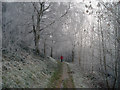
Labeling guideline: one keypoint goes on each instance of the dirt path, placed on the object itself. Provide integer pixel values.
(65, 75)
(66, 80)
(62, 77)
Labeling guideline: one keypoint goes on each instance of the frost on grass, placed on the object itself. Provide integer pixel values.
(28, 73)
(84, 79)
(78, 78)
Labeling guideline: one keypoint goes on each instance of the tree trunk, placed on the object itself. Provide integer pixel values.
(36, 34)
(80, 52)
(116, 63)
(79, 57)
(45, 48)
(73, 55)
(104, 56)
(99, 46)
(118, 49)
(37, 44)
(118, 84)
(51, 54)
(118, 57)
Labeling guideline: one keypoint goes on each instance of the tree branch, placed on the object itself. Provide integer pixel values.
(47, 8)
(56, 20)
(35, 7)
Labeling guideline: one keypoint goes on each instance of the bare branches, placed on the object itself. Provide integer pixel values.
(56, 20)
(110, 9)
(35, 8)
(40, 12)
(47, 7)
(42, 7)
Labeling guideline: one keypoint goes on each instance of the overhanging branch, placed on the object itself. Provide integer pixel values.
(56, 20)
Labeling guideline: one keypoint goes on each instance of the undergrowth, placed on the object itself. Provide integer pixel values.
(56, 76)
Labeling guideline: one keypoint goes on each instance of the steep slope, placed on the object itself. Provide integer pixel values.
(25, 70)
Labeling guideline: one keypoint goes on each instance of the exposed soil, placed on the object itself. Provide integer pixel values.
(66, 80)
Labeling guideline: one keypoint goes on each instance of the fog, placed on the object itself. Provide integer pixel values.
(86, 33)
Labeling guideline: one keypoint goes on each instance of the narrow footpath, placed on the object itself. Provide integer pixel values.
(64, 80)
(67, 80)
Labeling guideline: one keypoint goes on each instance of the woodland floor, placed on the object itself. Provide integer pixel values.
(66, 80)
(62, 77)
(67, 77)
(38, 72)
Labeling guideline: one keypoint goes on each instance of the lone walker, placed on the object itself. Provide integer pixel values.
(61, 58)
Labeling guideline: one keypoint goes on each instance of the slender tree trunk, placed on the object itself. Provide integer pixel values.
(92, 52)
(118, 84)
(116, 63)
(99, 45)
(73, 55)
(37, 44)
(37, 35)
(79, 57)
(45, 47)
(80, 52)
(118, 46)
(118, 57)
(36, 32)
(84, 50)
(104, 56)
(51, 54)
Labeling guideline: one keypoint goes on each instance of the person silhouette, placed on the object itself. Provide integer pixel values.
(61, 58)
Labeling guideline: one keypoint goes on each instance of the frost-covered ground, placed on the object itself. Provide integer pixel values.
(82, 79)
(78, 78)
(26, 71)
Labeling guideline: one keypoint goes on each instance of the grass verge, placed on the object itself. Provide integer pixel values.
(70, 78)
(56, 76)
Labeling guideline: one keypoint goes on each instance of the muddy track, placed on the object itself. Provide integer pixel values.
(62, 78)
(66, 80)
